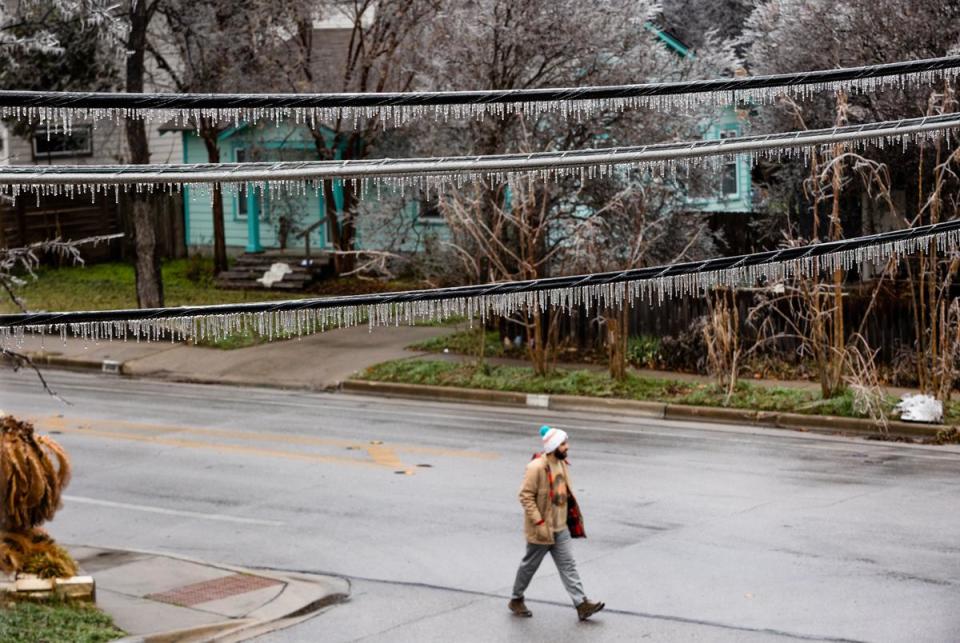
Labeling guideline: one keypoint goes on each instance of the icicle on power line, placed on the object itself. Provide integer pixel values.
(62, 109)
(651, 286)
(298, 178)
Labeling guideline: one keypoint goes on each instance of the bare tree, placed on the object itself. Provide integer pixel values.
(515, 241)
(363, 50)
(936, 309)
(221, 49)
(503, 231)
(24, 261)
(910, 186)
(633, 221)
(139, 14)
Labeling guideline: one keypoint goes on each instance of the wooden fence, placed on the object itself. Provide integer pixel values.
(29, 221)
(889, 328)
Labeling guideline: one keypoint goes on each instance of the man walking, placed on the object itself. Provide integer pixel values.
(552, 520)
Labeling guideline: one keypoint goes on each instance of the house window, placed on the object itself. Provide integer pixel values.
(243, 200)
(59, 144)
(429, 211)
(729, 185)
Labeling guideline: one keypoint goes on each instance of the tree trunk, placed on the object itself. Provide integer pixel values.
(616, 320)
(348, 229)
(836, 233)
(536, 346)
(209, 135)
(147, 260)
(333, 224)
(219, 236)
(340, 223)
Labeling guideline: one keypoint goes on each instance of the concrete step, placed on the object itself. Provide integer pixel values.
(256, 273)
(268, 260)
(248, 284)
(249, 267)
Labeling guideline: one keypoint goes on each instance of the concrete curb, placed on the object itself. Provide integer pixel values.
(394, 389)
(41, 358)
(302, 598)
(115, 367)
(659, 410)
(208, 632)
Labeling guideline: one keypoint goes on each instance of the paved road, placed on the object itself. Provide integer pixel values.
(696, 533)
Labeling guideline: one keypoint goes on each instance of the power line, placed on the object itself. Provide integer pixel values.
(424, 172)
(653, 284)
(399, 107)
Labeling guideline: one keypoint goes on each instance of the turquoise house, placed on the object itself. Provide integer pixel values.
(255, 221)
(733, 190)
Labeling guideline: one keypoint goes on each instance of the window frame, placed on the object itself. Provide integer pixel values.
(241, 198)
(428, 214)
(47, 131)
(734, 163)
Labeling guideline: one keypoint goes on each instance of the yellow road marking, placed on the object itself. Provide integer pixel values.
(267, 436)
(233, 448)
(386, 457)
(380, 454)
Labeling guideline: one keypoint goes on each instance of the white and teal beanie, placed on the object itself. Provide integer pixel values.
(552, 438)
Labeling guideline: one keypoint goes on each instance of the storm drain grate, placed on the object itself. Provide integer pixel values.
(213, 590)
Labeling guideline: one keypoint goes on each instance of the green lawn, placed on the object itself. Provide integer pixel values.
(55, 622)
(186, 282)
(599, 384)
(467, 342)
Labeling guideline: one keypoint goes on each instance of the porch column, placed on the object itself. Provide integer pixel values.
(253, 221)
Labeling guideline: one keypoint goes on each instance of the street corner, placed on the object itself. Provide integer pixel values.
(146, 593)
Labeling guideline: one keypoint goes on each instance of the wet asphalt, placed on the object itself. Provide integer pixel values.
(695, 532)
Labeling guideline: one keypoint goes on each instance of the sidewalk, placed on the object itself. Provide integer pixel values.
(160, 598)
(328, 361)
(314, 362)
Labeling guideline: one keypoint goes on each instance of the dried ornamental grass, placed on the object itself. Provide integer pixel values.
(35, 552)
(34, 471)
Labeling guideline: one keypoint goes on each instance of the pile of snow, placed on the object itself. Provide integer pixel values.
(920, 408)
(275, 274)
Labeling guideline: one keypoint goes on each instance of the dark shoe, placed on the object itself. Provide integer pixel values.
(517, 607)
(586, 609)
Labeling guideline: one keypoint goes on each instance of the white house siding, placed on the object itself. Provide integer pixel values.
(109, 147)
(164, 147)
(4, 145)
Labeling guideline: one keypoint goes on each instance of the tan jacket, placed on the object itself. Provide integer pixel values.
(535, 498)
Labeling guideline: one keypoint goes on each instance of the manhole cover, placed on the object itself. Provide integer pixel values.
(213, 590)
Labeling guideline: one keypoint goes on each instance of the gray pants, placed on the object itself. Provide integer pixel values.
(562, 552)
